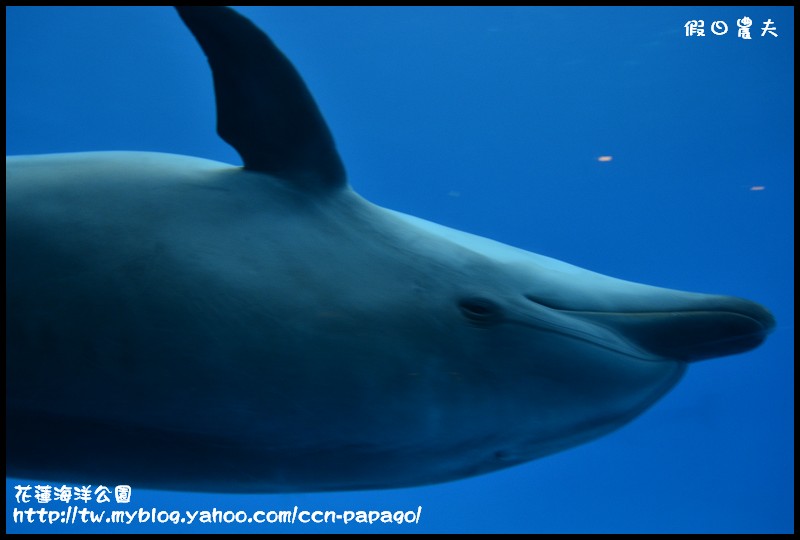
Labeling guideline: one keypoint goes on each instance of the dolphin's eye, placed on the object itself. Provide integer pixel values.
(480, 310)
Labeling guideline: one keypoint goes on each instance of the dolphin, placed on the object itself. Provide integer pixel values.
(178, 323)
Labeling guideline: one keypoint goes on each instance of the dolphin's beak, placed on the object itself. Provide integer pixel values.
(664, 322)
(717, 326)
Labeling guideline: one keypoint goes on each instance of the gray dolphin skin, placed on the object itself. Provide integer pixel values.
(179, 323)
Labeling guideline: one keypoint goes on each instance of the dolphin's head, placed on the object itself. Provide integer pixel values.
(568, 354)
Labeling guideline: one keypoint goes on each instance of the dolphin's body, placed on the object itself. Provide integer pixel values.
(174, 322)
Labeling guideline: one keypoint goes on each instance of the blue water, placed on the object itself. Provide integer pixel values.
(491, 120)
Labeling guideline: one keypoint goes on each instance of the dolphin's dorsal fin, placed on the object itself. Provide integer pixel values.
(264, 109)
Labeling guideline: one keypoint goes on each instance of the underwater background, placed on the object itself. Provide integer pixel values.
(491, 121)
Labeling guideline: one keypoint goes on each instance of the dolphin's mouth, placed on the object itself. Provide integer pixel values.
(708, 327)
